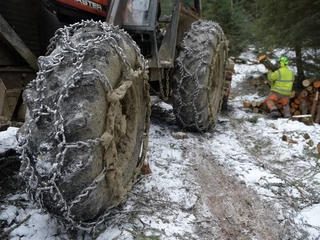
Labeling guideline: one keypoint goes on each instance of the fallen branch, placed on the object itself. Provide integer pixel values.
(6, 233)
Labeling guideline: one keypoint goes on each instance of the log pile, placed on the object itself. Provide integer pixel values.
(305, 101)
(256, 107)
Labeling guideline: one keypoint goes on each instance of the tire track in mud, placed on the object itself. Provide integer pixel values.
(229, 209)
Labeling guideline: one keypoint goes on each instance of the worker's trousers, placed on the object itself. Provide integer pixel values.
(273, 96)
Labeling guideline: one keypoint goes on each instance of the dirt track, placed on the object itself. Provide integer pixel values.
(237, 210)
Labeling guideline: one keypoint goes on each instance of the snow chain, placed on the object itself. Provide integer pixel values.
(36, 187)
(195, 78)
(148, 115)
(218, 48)
(164, 95)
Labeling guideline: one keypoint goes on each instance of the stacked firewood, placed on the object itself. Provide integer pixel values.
(256, 107)
(305, 101)
(309, 97)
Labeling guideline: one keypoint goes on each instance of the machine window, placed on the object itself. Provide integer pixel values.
(136, 12)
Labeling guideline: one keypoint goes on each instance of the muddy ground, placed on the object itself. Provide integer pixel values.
(235, 211)
(238, 211)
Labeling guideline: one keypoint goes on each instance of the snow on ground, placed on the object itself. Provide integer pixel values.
(8, 140)
(276, 158)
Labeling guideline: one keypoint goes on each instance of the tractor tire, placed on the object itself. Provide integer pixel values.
(199, 76)
(86, 131)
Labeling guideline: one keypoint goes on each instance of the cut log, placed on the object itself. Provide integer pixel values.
(316, 84)
(308, 82)
(304, 93)
(256, 104)
(297, 112)
(303, 102)
(246, 104)
(310, 88)
(292, 110)
(306, 119)
(266, 62)
(255, 110)
(294, 105)
(297, 101)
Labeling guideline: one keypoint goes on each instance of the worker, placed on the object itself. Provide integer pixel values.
(281, 82)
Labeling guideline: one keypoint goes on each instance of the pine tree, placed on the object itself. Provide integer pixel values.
(231, 17)
(293, 24)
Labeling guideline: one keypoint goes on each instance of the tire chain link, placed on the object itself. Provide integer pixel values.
(164, 95)
(36, 188)
(195, 76)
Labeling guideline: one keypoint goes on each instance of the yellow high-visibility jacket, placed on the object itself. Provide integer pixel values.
(281, 80)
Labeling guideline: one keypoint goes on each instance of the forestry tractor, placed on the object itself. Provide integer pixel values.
(79, 74)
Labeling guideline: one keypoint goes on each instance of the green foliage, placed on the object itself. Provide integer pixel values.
(231, 17)
(145, 233)
(173, 146)
(290, 24)
(253, 119)
(260, 146)
(293, 24)
(310, 154)
(166, 8)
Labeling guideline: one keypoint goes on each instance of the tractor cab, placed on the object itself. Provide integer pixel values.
(157, 26)
(137, 13)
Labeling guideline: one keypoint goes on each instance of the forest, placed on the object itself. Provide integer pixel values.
(270, 25)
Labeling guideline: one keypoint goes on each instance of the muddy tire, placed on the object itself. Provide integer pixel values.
(85, 135)
(199, 76)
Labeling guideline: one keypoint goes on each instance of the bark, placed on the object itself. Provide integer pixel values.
(304, 107)
(314, 105)
(304, 93)
(317, 120)
(299, 64)
(266, 62)
(310, 88)
(246, 104)
(297, 101)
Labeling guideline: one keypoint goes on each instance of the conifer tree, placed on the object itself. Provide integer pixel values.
(294, 24)
(230, 15)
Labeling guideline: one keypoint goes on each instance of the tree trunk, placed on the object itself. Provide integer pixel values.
(304, 107)
(300, 67)
(314, 105)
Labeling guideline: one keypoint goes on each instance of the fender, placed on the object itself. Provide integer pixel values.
(98, 7)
